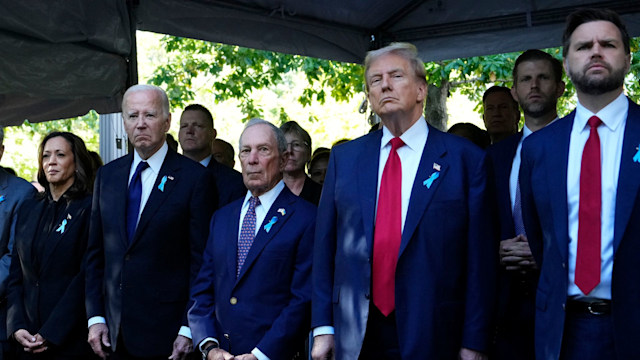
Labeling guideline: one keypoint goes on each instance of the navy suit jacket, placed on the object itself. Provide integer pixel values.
(268, 305)
(501, 156)
(228, 182)
(14, 191)
(445, 275)
(543, 182)
(142, 287)
(47, 297)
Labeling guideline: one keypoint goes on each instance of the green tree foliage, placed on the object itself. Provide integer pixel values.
(237, 71)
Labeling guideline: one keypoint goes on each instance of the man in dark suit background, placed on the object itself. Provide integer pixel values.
(196, 137)
(13, 192)
(252, 295)
(537, 85)
(404, 256)
(580, 179)
(149, 222)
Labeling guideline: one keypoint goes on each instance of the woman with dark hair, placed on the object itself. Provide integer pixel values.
(46, 313)
(299, 154)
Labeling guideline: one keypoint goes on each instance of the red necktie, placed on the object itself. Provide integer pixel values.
(587, 274)
(388, 232)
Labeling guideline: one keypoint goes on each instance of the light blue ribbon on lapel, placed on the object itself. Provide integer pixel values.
(273, 220)
(162, 182)
(2, 198)
(60, 229)
(431, 179)
(636, 157)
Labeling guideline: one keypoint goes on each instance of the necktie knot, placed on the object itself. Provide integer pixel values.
(253, 202)
(142, 166)
(594, 122)
(396, 143)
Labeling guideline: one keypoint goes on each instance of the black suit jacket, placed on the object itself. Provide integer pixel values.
(228, 182)
(142, 287)
(47, 296)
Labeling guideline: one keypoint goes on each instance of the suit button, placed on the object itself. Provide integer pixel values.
(564, 306)
(564, 265)
(233, 300)
(366, 296)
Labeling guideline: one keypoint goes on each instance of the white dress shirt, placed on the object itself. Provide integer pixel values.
(415, 139)
(266, 200)
(611, 134)
(148, 179)
(515, 166)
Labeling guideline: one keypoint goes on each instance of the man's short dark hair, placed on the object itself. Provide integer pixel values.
(582, 16)
(204, 110)
(538, 55)
(499, 89)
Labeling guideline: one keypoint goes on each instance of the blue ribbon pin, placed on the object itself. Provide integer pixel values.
(60, 229)
(273, 220)
(2, 198)
(431, 179)
(636, 157)
(162, 182)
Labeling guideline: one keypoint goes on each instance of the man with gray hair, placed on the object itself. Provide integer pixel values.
(149, 219)
(404, 262)
(253, 293)
(13, 192)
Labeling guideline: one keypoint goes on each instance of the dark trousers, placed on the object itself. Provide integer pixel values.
(380, 337)
(587, 337)
(122, 353)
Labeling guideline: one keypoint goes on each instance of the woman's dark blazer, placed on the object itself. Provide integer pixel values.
(48, 297)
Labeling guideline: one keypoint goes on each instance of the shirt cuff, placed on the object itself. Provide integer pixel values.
(259, 354)
(323, 330)
(96, 320)
(185, 331)
(205, 341)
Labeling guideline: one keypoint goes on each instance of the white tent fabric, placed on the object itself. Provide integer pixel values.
(60, 58)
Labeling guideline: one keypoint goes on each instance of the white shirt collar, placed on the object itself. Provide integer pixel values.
(414, 138)
(155, 161)
(610, 114)
(267, 199)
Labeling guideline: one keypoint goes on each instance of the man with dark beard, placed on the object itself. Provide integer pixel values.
(580, 181)
(537, 85)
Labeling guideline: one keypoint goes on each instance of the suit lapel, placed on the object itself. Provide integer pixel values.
(29, 229)
(629, 177)
(230, 239)
(263, 237)
(421, 195)
(367, 177)
(169, 177)
(116, 185)
(556, 169)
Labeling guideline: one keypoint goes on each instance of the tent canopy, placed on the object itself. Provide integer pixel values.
(61, 58)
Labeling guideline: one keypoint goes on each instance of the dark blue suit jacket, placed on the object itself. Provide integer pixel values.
(268, 305)
(543, 182)
(445, 275)
(516, 291)
(143, 288)
(228, 182)
(14, 191)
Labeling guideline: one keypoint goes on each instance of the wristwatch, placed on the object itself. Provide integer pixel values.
(206, 350)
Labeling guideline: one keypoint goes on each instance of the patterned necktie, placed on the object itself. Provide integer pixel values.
(587, 274)
(388, 231)
(133, 199)
(518, 223)
(247, 232)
